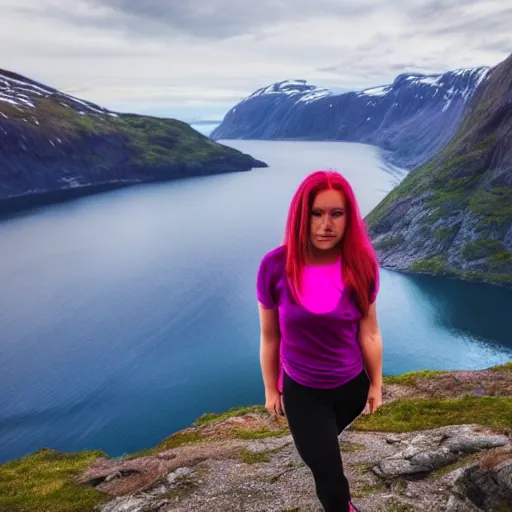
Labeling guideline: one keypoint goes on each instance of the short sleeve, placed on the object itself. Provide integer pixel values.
(265, 292)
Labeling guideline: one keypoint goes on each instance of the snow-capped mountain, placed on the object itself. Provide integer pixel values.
(410, 119)
(453, 215)
(21, 92)
(54, 146)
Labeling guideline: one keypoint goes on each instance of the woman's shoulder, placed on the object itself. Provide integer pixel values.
(278, 254)
(273, 260)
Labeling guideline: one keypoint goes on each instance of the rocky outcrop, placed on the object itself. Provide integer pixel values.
(410, 119)
(407, 472)
(54, 146)
(453, 216)
(247, 462)
(440, 442)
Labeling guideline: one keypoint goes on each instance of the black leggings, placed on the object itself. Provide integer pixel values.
(316, 417)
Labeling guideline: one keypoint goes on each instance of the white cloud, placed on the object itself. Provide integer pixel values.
(160, 55)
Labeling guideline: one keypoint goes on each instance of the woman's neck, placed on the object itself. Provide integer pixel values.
(318, 257)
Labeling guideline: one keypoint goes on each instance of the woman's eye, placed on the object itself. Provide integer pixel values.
(338, 214)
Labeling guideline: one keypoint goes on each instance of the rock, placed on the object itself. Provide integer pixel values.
(173, 477)
(488, 484)
(452, 216)
(456, 504)
(475, 443)
(131, 504)
(428, 452)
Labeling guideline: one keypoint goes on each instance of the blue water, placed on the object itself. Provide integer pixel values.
(125, 316)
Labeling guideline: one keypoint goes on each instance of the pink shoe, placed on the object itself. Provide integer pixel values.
(351, 508)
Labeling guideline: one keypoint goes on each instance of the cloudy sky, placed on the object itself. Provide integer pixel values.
(197, 58)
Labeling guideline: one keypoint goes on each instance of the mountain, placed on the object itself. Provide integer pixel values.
(410, 120)
(453, 215)
(54, 146)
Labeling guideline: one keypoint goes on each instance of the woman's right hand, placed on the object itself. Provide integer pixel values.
(273, 402)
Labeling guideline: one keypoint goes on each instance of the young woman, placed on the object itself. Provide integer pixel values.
(321, 348)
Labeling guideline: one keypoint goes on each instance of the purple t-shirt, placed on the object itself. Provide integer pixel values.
(319, 350)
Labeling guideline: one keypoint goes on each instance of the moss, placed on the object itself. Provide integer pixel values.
(394, 505)
(463, 461)
(504, 257)
(454, 196)
(351, 447)
(435, 265)
(487, 277)
(410, 378)
(448, 232)
(481, 248)
(173, 441)
(44, 482)
(408, 415)
(507, 367)
(249, 457)
(389, 242)
(208, 418)
(183, 486)
(411, 185)
(154, 141)
(259, 433)
(363, 491)
(495, 205)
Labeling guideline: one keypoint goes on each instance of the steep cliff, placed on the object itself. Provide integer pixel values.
(441, 441)
(411, 119)
(54, 146)
(453, 215)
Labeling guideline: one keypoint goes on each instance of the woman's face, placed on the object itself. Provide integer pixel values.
(328, 219)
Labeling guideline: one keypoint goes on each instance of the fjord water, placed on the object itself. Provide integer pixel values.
(125, 316)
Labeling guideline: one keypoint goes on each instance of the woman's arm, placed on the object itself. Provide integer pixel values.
(370, 340)
(270, 338)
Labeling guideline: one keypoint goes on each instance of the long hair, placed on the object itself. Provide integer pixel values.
(359, 264)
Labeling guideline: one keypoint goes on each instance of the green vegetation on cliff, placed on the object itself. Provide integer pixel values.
(416, 414)
(47, 480)
(43, 482)
(53, 143)
(453, 215)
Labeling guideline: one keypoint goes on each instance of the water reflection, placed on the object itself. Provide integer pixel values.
(467, 308)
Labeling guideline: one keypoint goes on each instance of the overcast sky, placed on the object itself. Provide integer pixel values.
(197, 58)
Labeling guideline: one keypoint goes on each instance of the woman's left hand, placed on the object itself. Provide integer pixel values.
(374, 400)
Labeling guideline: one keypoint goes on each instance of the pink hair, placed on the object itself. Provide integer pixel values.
(359, 264)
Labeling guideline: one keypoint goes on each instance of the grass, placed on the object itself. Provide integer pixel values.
(495, 205)
(393, 505)
(43, 482)
(462, 462)
(209, 418)
(254, 457)
(250, 457)
(435, 265)
(444, 233)
(416, 414)
(389, 242)
(507, 367)
(481, 248)
(259, 433)
(147, 140)
(173, 441)
(351, 447)
(410, 378)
